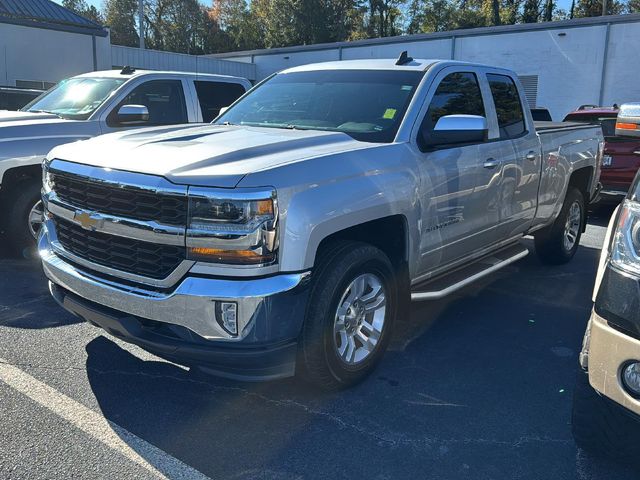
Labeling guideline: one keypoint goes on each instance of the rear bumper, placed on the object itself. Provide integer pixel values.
(608, 350)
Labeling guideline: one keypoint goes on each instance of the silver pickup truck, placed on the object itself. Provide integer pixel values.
(88, 105)
(292, 233)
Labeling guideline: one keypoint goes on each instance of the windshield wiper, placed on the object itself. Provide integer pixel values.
(46, 111)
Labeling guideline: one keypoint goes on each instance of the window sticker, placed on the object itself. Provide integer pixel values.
(389, 113)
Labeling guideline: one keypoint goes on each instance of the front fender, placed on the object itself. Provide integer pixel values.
(28, 151)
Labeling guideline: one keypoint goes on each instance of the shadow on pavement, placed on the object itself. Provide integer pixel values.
(25, 301)
(475, 387)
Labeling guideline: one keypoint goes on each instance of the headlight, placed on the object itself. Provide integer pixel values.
(625, 249)
(232, 228)
(47, 178)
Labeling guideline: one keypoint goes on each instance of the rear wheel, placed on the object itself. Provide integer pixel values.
(352, 308)
(558, 243)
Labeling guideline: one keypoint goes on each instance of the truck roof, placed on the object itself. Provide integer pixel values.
(138, 73)
(416, 64)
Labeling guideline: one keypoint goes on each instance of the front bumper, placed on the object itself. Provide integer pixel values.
(270, 312)
(608, 350)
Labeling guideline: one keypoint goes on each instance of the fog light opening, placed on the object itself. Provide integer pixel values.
(227, 316)
(631, 378)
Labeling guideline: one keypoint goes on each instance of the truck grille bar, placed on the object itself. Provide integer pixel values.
(123, 201)
(118, 223)
(140, 258)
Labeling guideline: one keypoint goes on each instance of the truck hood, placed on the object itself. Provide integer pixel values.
(9, 116)
(211, 155)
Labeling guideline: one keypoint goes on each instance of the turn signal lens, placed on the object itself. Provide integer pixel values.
(235, 257)
(626, 126)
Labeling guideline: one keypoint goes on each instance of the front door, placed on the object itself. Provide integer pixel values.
(460, 186)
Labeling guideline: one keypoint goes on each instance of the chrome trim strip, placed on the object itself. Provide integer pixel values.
(435, 295)
(145, 231)
(235, 194)
(55, 245)
(191, 304)
(118, 178)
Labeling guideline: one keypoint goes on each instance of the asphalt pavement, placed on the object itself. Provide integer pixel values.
(477, 386)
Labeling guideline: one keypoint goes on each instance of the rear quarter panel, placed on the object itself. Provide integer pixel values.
(565, 151)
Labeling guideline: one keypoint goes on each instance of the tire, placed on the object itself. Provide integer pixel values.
(601, 427)
(22, 200)
(551, 247)
(325, 332)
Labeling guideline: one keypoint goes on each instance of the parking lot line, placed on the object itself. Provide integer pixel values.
(130, 446)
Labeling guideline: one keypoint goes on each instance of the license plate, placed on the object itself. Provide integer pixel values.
(607, 160)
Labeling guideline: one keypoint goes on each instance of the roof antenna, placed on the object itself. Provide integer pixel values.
(127, 70)
(404, 58)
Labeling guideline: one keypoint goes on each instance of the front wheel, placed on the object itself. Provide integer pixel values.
(558, 243)
(24, 216)
(352, 307)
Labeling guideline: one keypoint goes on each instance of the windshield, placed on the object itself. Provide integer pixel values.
(75, 98)
(368, 105)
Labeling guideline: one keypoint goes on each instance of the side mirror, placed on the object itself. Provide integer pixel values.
(222, 110)
(628, 122)
(133, 115)
(456, 130)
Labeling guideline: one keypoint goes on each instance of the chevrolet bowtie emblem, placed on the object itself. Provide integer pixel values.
(88, 220)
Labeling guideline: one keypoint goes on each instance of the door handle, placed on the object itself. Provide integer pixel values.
(491, 163)
(531, 156)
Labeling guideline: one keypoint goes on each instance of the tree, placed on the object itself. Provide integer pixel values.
(549, 7)
(531, 11)
(431, 16)
(120, 16)
(83, 9)
(593, 8)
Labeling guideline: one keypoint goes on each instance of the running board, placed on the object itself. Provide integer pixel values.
(446, 284)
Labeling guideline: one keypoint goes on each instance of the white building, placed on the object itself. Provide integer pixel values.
(562, 64)
(42, 43)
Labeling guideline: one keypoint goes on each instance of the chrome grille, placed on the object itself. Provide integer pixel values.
(118, 200)
(133, 256)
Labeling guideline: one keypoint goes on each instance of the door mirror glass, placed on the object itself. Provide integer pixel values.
(628, 122)
(222, 110)
(133, 115)
(456, 130)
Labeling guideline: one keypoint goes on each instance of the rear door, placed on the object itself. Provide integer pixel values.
(521, 167)
(212, 96)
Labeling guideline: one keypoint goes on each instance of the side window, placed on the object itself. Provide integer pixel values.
(458, 94)
(215, 95)
(508, 105)
(163, 98)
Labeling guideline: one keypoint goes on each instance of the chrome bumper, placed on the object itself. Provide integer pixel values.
(191, 304)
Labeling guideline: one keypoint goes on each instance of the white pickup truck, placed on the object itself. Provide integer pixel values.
(291, 234)
(88, 105)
